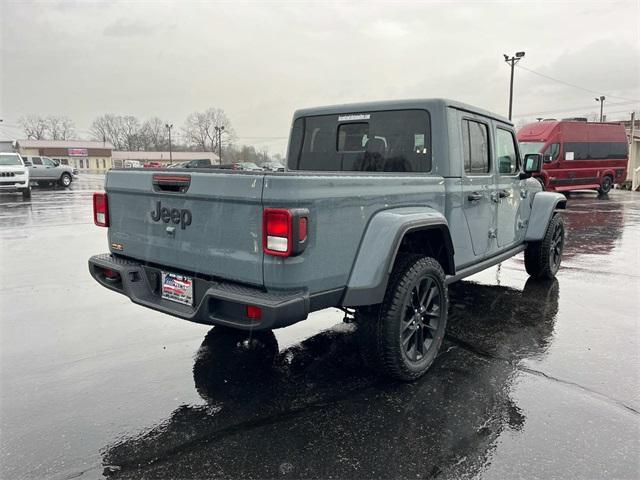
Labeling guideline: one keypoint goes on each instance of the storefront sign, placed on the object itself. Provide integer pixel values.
(77, 152)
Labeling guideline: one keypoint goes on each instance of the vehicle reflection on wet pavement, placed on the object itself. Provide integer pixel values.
(535, 379)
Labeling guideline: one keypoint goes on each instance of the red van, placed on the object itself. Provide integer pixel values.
(578, 155)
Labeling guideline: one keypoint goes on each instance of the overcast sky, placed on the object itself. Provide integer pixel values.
(259, 61)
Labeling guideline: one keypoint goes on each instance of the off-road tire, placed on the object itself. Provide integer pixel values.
(606, 185)
(383, 326)
(26, 193)
(542, 259)
(65, 180)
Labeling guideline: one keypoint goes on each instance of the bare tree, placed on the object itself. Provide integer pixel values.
(122, 131)
(153, 135)
(106, 128)
(34, 126)
(130, 131)
(197, 130)
(200, 132)
(67, 129)
(60, 127)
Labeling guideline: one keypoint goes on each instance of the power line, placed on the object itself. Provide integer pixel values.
(571, 109)
(574, 85)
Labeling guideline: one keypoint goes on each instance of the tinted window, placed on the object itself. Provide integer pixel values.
(580, 150)
(395, 141)
(475, 145)
(36, 161)
(602, 150)
(506, 152)
(619, 150)
(596, 150)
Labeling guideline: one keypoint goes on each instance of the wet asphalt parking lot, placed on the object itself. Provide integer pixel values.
(535, 380)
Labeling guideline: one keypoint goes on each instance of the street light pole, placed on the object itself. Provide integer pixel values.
(601, 100)
(219, 131)
(169, 127)
(512, 61)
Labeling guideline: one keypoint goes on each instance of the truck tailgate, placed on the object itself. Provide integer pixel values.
(212, 226)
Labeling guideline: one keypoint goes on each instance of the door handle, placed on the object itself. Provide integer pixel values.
(474, 197)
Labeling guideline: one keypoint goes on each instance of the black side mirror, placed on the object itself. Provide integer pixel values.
(547, 158)
(28, 164)
(532, 164)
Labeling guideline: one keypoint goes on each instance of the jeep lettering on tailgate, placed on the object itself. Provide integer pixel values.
(182, 216)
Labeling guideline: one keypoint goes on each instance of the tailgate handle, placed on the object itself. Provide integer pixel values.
(171, 183)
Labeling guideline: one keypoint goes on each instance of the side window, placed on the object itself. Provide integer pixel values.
(48, 162)
(506, 152)
(553, 150)
(36, 161)
(104, 163)
(475, 146)
(576, 151)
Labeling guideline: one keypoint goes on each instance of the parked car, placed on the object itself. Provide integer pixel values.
(154, 165)
(14, 174)
(273, 167)
(200, 163)
(132, 164)
(44, 170)
(578, 155)
(383, 205)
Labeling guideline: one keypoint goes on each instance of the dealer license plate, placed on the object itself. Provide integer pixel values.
(177, 288)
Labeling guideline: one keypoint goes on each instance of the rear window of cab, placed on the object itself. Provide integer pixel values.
(388, 141)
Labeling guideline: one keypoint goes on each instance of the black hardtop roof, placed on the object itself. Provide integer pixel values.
(431, 104)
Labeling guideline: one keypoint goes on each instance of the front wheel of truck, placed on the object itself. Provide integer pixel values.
(542, 259)
(406, 331)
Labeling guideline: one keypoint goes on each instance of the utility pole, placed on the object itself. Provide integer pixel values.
(169, 126)
(601, 100)
(632, 154)
(219, 131)
(512, 61)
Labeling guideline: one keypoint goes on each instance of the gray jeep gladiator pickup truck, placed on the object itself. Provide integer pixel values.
(381, 206)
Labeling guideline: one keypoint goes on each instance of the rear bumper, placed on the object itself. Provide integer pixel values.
(215, 303)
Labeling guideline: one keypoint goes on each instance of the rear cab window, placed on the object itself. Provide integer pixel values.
(386, 141)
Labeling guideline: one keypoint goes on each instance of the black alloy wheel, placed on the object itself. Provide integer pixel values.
(401, 336)
(421, 318)
(542, 259)
(555, 247)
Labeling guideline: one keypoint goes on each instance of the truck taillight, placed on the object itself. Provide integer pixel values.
(284, 232)
(100, 209)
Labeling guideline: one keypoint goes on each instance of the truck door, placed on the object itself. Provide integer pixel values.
(37, 170)
(51, 170)
(507, 195)
(477, 181)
